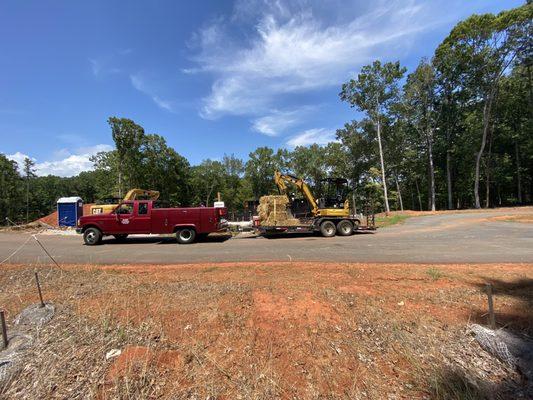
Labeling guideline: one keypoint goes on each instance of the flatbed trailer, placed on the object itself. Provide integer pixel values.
(337, 226)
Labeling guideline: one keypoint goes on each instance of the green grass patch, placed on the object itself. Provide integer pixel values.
(434, 273)
(382, 221)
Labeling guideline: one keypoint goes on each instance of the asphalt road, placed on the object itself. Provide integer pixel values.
(444, 238)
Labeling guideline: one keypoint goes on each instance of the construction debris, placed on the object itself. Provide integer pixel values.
(515, 351)
(21, 339)
(273, 211)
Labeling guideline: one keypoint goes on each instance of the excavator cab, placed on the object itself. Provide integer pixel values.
(334, 192)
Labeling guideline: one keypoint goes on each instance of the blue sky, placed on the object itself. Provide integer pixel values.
(212, 77)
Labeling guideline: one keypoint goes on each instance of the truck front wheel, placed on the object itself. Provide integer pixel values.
(186, 235)
(92, 236)
(328, 229)
(345, 228)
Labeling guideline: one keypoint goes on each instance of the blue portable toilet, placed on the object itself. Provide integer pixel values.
(69, 209)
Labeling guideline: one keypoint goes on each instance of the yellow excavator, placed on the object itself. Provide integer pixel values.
(329, 215)
(131, 195)
(335, 207)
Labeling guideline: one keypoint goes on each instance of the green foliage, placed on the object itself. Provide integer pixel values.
(260, 167)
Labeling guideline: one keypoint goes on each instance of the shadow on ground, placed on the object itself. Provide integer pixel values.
(162, 240)
(448, 382)
(518, 319)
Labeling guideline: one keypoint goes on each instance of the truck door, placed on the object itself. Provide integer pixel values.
(141, 220)
(123, 217)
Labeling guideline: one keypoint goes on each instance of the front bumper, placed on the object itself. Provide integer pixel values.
(79, 230)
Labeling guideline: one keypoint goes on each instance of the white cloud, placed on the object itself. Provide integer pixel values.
(293, 52)
(276, 122)
(312, 136)
(139, 83)
(101, 67)
(95, 66)
(69, 165)
(19, 157)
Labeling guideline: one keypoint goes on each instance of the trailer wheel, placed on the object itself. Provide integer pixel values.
(120, 237)
(328, 229)
(92, 236)
(186, 235)
(345, 228)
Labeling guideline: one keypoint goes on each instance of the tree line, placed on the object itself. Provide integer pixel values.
(454, 133)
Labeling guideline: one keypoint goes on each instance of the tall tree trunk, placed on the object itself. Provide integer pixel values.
(399, 192)
(387, 209)
(120, 182)
(486, 117)
(487, 168)
(449, 173)
(27, 199)
(429, 139)
(418, 194)
(518, 175)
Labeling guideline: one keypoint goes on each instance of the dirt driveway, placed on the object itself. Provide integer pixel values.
(486, 236)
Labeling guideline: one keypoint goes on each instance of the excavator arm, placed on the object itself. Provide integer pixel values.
(281, 179)
(133, 193)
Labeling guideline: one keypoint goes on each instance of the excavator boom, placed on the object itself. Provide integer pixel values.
(280, 180)
(131, 195)
(134, 193)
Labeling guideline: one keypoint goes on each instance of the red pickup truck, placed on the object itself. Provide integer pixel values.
(144, 216)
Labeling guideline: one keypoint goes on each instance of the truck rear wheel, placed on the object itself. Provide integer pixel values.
(328, 229)
(186, 235)
(345, 228)
(92, 236)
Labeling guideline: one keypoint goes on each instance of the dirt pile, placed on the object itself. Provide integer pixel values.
(51, 219)
(273, 211)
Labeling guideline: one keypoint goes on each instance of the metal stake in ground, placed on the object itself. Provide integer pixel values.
(492, 320)
(47, 253)
(4, 329)
(39, 289)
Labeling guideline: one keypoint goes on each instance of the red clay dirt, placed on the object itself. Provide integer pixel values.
(284, 330)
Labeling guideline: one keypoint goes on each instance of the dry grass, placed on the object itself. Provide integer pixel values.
(294, 330)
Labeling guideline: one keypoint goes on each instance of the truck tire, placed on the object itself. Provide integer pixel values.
(92, 236)
(345, 228)
(186, 235)
(120, 237)
(328, 229)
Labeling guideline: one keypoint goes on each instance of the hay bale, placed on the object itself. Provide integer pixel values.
(273, 211)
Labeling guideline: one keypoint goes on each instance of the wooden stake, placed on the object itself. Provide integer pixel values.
(39, 289)
(492, 319)
(4, 329)
(218, 196)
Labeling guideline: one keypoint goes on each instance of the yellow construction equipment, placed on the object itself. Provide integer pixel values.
(329, 215)
(133, 194)
(316, 209)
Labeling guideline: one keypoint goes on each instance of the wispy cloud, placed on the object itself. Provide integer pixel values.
(67, 164)
(294, 51)
(139, 83)
(312, 136)
(101, 67)
(277, 122)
